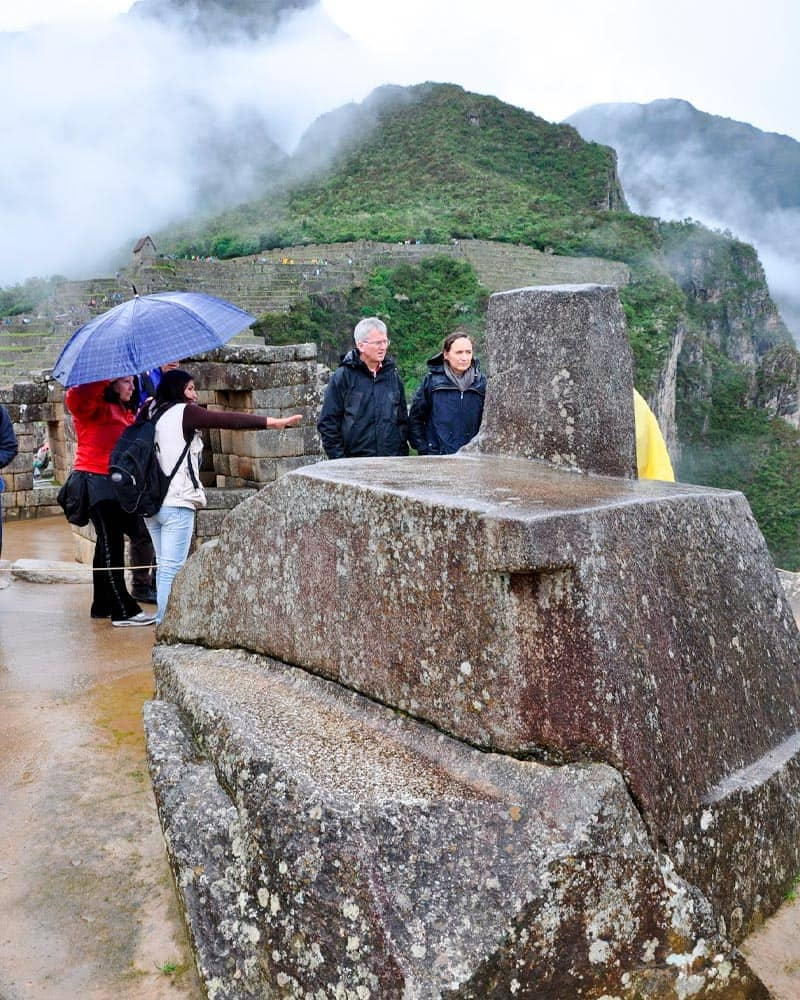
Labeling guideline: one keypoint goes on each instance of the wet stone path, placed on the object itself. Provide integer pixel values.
(87, 902)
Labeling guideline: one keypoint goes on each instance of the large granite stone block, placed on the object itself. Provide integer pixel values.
(287, 443)
(561, 382)
(543, 614)
(587, 773)
(244, 377)
(361, 854)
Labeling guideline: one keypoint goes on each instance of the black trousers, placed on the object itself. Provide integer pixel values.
(142, 554)
(110, 597)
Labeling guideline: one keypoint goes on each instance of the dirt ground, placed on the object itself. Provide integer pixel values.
(88, 906)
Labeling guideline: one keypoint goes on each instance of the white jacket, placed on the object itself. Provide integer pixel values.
(170, 442)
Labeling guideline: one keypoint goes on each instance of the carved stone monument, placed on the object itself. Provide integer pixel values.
(508, 723)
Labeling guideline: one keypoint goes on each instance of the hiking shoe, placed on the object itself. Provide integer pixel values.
(141, 619)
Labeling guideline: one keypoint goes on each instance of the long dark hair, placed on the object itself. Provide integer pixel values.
(170, 388)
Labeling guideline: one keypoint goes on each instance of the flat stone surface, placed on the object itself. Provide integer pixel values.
(539, 613)
(358, 853)
(50, 571)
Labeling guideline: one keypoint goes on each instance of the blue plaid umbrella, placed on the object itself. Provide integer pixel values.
(147, 331)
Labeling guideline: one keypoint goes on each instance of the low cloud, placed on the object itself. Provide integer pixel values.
(116, 129)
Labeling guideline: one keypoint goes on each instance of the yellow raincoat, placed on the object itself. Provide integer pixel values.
(652, 458)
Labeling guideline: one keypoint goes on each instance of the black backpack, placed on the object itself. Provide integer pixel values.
(137, 478)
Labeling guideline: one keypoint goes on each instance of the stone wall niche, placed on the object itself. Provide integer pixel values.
(484, 726)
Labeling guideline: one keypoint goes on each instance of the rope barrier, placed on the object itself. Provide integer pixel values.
(92, 569)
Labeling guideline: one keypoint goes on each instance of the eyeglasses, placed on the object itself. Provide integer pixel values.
(376, 343)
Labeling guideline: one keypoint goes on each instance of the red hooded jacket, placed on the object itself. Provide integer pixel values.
(98, 425)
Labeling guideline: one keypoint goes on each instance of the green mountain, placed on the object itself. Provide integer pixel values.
(430, 162)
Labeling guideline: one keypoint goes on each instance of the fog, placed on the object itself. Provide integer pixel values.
(113, 129)
(676, 161)
(116, 128)
(695, 187)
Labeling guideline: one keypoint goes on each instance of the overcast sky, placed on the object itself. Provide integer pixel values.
(83, 113)
(727, 57)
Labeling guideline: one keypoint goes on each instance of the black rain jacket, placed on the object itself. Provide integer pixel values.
(8, 441)
(364, 416)
(443, 418)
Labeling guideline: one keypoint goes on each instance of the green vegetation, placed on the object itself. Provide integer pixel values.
(654, 305)
(728, 443)
(420, 303)
(170, 968)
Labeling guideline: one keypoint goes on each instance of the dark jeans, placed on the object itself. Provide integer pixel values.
(110, 597)
(142, 554)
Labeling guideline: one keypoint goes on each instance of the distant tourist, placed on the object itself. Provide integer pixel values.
(8, 452)
(100, 412)
(364, 412)
(447, 408)
(146, 383)
(179, 424)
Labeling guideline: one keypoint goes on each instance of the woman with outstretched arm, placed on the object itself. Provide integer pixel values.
(180, 421)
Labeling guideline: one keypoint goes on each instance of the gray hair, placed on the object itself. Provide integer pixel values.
(365, 327)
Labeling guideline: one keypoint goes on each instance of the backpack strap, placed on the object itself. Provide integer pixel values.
(156, 414)
(177, 466)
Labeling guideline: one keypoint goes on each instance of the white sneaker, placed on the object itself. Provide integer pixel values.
(141, 619)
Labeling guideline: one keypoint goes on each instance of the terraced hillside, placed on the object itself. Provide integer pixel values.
(272, 281)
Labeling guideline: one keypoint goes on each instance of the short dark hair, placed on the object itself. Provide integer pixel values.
(170, 388)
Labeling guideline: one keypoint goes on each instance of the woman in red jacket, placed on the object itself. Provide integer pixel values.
(100, 413)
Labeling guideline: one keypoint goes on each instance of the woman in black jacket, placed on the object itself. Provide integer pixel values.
(447, 408)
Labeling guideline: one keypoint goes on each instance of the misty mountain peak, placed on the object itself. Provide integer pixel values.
(221, 20)
(676, 161)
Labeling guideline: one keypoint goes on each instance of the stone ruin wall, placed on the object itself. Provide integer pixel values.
(273, 381)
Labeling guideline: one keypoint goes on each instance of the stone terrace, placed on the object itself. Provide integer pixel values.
(273, 280)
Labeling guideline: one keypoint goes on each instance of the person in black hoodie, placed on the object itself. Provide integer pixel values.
(364, 411)
(447, 408)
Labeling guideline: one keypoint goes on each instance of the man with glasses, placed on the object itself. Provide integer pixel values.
(364, 412)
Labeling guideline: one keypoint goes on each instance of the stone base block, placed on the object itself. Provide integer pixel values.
(542, 614)
(357, 853)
